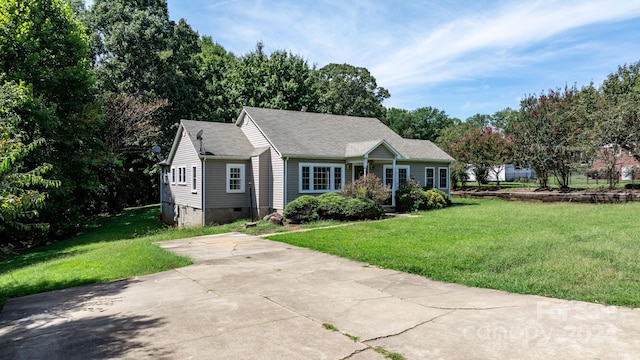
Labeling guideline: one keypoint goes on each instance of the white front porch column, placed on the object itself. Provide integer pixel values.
(395, 184)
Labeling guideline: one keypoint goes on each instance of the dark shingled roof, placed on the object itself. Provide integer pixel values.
(218, 139)
(305, 134)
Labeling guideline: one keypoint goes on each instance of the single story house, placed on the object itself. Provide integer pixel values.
(220, 172)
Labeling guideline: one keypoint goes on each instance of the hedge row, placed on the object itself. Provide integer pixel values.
(331, 206)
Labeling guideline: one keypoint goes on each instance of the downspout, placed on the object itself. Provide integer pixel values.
(286, 181)
(161, 187)
(204, 204)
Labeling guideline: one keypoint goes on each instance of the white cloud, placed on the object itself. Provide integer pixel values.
(480, 43)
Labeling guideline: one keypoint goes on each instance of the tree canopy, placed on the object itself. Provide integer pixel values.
(349, 90)
(423, 123)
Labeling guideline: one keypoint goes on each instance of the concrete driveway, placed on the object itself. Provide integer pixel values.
(250, 298)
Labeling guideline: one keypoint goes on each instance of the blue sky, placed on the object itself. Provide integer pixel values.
(463, 57)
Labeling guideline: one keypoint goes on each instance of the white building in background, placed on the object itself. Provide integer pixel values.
(508, 172)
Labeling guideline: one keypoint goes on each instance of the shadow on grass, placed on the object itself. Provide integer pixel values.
(127, 225)
(76, 324)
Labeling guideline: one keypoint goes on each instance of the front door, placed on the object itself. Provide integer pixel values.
(358, 172)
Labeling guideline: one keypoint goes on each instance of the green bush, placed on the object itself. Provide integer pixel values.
(302, 209)
(435, 199)
(332, 206)
(362, 209)
(411, 197)
(337, 207)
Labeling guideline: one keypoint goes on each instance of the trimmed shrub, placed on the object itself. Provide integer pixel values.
(332, 206)
(411, 197)
(337, 207)
(362, 209)
(302, 209)
(435, 199)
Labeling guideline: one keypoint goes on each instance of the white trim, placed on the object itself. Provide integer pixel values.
(426, 177)
(242, 178)
(194, 179)
(333, 187)
(173, 175)
(396, 168)
(448, 180)
(182, 175)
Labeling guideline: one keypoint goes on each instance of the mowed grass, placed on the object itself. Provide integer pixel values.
(109, 248)
(568, 251)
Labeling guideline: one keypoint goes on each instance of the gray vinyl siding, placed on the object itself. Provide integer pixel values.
(381, 153)
(187, 157)
(258, 140)
(216, 182)
(262, 179)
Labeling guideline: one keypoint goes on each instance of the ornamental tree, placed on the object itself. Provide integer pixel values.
(486, 149)
(548, 132)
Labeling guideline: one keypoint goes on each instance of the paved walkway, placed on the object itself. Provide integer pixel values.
(249, 298)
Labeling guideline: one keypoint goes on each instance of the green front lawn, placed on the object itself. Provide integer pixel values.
(568, 251)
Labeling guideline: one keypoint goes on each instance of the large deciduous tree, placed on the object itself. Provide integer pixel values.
(141, 56)
(43, 44)
(423, 123)
(349, 90)
(486, 149)
(22, 187)
(618, 109)
(214, 66)
(280, 80)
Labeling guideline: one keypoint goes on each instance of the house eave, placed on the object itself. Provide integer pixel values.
(224, 157)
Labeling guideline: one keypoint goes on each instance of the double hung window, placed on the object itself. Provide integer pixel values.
(235, 178)
(403, 175)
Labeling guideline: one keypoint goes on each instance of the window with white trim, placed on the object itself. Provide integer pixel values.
(320, 177)
(430, 177)
(403, 175)
(235, 178)
(443, 178)
(173, 175)
(194, 178)
(182, 175)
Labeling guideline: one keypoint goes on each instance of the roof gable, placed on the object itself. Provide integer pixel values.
(218, 140)
(365, 148)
